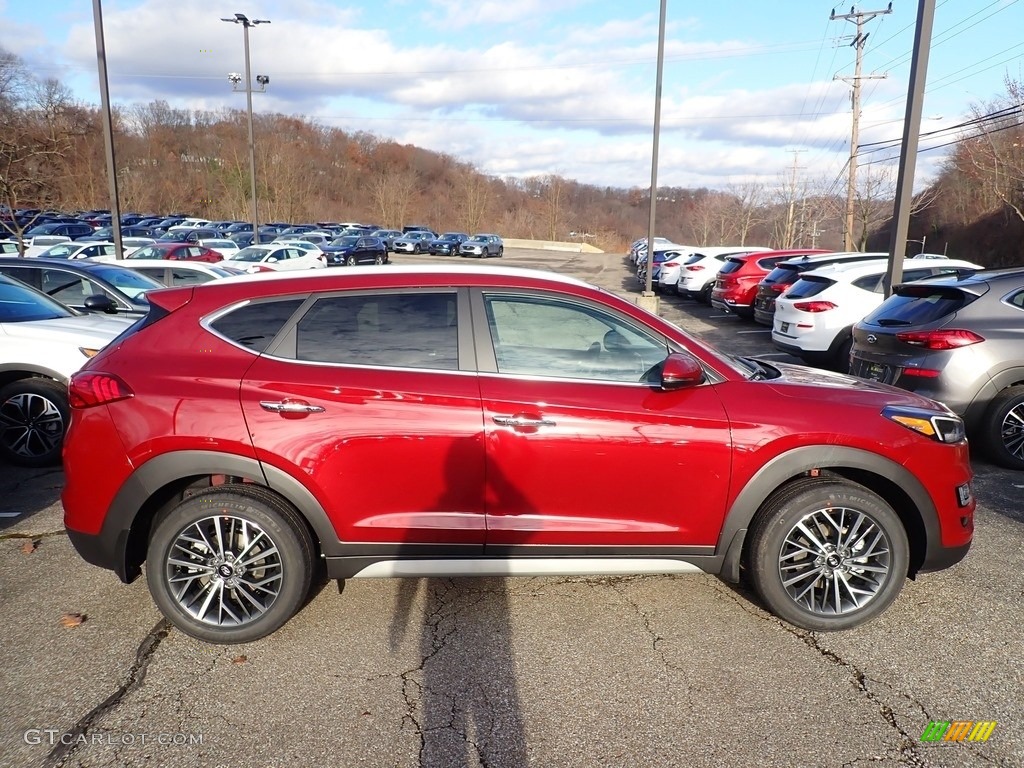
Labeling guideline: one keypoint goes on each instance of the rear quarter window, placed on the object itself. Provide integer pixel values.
(255, 325)
(730, 266)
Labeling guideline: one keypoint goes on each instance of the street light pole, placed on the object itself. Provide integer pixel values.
(246, 22)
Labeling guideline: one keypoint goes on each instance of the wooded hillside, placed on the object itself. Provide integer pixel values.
(196, 162)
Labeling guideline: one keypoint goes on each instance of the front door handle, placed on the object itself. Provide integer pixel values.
(519, 421)
(290, 406)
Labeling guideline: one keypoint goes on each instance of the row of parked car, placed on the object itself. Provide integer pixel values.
(951, 330)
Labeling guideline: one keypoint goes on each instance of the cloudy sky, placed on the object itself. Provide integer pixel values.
(526, 87)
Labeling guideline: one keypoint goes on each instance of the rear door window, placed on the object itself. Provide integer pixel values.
(395, 330)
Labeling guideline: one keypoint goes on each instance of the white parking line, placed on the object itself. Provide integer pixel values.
(721, 315)
(775, 354)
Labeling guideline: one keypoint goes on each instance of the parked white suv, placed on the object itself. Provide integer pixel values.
(696, 276)
(814, 319)
(42, 342)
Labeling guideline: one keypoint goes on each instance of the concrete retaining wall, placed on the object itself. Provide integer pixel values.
(552, 245)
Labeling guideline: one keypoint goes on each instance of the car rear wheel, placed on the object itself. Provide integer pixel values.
(34, 416)
(705, 293)
(1002, 436)
(378, 259)
(827, 554)
(230, 565)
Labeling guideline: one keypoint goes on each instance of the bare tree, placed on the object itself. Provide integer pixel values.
(35, 136)
(995, 148)
(392, 188)
(472, 198)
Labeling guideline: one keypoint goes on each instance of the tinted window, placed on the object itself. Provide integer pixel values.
(19, 304)
(69, 288)
(872, 283)
(255, 325)
(731, 265)
(782, 275)
(402, 330)
(808, 286)
(551, 337)
(919, 304)
(129, 282)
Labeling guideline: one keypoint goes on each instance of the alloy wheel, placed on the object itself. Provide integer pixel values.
(224, 571)
(1013, 431)
(834, 561)
(31, 425)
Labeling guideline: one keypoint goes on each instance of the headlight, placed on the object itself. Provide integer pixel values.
(943, 427)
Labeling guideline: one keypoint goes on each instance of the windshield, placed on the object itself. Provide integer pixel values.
(251, 254)
(149, 252)
(346, 240)
(20, 304)
(478, 239)
(175, 237)
(58, 252)
(129, 282)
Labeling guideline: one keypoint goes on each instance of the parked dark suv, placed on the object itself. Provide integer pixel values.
(958, 340)
(404, 421)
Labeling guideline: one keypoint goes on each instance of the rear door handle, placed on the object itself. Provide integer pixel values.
(519, 421)
(290, 406)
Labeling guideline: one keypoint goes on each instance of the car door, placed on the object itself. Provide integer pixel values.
(73, 289)
(581, 449)
(372, 397)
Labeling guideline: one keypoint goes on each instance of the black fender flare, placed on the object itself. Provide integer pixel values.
(801, 462)
(122, 549)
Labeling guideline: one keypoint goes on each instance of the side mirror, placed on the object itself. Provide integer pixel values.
(100, 303)
(272, 260)
(681, 370)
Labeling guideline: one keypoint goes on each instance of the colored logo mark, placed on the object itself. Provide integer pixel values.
(959, 730)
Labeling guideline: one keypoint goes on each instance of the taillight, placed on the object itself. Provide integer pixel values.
(940, 339)
(694, 268)
(88, 389)
(778, 287)
(671, 264)
(814, 306)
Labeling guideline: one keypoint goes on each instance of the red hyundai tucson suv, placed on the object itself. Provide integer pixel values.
(425, 421)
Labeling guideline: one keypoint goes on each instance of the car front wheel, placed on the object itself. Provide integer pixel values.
(827, 554)
(34, 415)
(1002, 437)
(230, 565)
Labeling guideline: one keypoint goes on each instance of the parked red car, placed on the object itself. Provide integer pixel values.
(736, 284)
(176, 251)
(424, 421)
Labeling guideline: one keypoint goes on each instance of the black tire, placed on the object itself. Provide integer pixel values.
(842, 358)
(831, 508)
(501, 251)
(1002, 430)
(379, 259)
(34, 417)
(226, 517)
(705, 294)
(350, 261)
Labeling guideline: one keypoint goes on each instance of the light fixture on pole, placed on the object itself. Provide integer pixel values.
(235, 79)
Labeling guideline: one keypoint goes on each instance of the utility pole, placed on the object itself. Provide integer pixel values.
(860, 18)
(789, 236)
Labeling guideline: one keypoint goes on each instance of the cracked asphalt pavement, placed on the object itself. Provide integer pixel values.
(541, 672)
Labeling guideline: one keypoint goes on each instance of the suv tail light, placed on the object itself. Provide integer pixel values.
(87, 390)
(694, 268)
(944, 339)
(671, 264)
(779, 287)
(814, 306)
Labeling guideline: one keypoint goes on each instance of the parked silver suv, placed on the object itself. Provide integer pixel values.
(958, 340)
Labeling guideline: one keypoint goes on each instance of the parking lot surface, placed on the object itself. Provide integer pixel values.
(542, 672)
